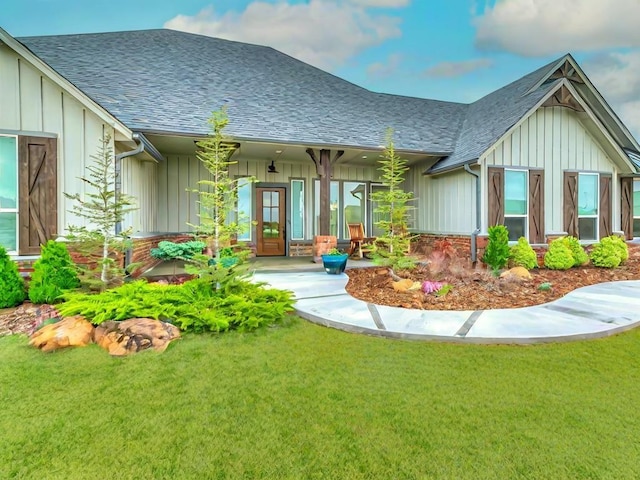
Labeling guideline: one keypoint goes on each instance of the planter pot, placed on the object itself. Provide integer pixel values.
(334, 264)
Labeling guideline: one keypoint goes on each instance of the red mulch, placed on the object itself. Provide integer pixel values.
(479, 290)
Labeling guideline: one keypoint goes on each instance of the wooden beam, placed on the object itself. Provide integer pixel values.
(325, 191)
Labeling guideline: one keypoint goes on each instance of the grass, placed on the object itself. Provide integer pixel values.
(307, 402)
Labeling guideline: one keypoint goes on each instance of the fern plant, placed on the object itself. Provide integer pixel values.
(53, 273)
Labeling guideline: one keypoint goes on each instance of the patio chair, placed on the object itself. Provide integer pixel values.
(357, 239)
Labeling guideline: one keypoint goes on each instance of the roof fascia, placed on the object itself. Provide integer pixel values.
(63, 83)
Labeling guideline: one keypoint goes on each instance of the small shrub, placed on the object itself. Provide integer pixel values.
(559, 256)
(431, 287)
(167, 250)
(580, 257)
(609, 253)
(621, 247)
(446, 288)
(522, 255)
(12, 291)
(497, 253)
(545, 287)
(53, 273)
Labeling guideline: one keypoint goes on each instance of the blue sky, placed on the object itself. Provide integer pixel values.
(457, 50)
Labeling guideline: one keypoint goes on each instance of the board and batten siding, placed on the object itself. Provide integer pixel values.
(445, 204)
(31, 103)
(177, 207)
(139, 179)
(554, 139)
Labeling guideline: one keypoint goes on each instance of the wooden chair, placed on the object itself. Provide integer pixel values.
(357, 239)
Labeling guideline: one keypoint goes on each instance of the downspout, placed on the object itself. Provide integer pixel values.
(118, 184)
(474, 234)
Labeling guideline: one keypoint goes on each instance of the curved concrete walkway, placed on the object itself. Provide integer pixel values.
(589, 312)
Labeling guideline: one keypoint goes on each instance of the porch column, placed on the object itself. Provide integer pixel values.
(323, 169)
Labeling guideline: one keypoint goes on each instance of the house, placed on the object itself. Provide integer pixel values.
(544, 155)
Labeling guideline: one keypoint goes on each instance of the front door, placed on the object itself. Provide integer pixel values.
(271, 215)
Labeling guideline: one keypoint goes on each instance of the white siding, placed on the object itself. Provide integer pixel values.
(139, 179)
(31, 103)
(445, 203)
(177, 207)
(556, 140)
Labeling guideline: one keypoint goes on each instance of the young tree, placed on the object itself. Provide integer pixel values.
(393, 206)
(103, 207)
(218, 195)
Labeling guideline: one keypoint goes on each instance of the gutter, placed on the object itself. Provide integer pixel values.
(474, 234)
(118, 170)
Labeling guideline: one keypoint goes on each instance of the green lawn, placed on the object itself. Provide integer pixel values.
(305, 402)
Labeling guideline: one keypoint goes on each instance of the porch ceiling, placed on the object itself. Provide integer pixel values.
(283, 152)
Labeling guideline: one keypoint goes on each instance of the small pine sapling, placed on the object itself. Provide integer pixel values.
(103, 207)
(496, 254)
(392, 207)
(53, 274)
(12, 290)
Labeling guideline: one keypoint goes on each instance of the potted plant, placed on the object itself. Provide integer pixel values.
(334, 261)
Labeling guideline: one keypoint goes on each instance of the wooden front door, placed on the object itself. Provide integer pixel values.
(271, 216)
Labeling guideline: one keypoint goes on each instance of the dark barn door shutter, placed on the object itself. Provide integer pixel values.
(38, 192)
(605, 206)
(496, 196)
(536, 206)
(570, 203)
(626, 194)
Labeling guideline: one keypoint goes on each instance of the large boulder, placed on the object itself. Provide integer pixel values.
(133, 335)
(69, 332)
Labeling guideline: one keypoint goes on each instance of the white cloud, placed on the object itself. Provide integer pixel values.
(387, 68)
(324, 33)
(545, 27)
(457, 69)
(617, 78)
(381, 3)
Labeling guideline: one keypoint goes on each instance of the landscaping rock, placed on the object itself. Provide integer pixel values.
(519, 273)
(69, 332)
(134, 335)
(402, 285)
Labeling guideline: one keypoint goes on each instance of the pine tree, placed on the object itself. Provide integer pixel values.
(218, 195)
(393, 207)
(103, 207)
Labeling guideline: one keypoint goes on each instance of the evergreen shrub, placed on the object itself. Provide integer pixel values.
(497, 252)
(522, 255)
(580, 257)
(53, 274)
(609, 253)
(12, 290)
(559, 256)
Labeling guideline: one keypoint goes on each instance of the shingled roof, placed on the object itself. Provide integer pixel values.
(165, 81)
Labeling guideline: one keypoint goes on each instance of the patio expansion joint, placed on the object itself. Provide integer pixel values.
(584, 313)
(375, 314)
(466, 326)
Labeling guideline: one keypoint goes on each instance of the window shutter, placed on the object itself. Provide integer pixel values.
(496, 196)
(626, 223)
(570, 203)
(536, 206)
(38, 213)
(605, 206)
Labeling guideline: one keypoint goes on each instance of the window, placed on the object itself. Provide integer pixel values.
(297, 209)
(347, 204)
(9, 193)
(588, 188)
(636, 207)
(515, 203)
(244, 209)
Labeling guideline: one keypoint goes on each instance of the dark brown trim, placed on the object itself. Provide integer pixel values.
(496, 196)
(570, 203)
(626, 208)
(536, 206)
(605, 228)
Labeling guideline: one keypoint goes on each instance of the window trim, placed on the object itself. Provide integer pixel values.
(342, 233)
(15, 210)
(292, 213)
(597, 203)
(526, 199)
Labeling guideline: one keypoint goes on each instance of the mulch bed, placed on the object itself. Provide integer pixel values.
(479, 290)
